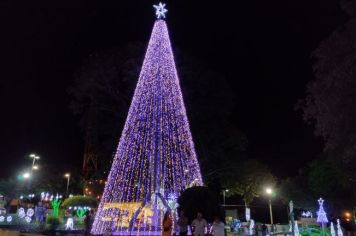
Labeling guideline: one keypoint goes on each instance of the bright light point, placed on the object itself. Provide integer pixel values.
(26, 175)
(160, 10)
(347, 214)
(320, 201)
(226, 190)
(35, 167)
(67, 175)
(269, 191)
(34, 156)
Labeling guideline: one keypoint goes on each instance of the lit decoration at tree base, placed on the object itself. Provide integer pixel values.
(56, 203)
(26, 216)
(251, 229)
(248, 213)
(155, 159)
(339, 230)
(21, 212)
(332, 229)
(70, 224)
(79, 210)
(307, 214)
(28, 219)
(296, 228)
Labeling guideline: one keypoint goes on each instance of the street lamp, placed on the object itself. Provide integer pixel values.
(26, 175)
(34, 158)
(269, 192)
(224, 191)
(34, 167)
(67, 175)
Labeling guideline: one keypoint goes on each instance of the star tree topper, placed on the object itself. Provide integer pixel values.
(160, 10)
(321, 201)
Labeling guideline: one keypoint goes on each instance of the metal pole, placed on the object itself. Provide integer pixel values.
(291, 211)
(67, 185)
(270, 211)
(224, 196)
(31, 171)
(33, 162)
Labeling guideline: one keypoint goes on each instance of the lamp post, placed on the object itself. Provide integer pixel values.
(34, 167)
(224, 191)
(291, 213)
(269, 192)
(67, 175)
(34, 158)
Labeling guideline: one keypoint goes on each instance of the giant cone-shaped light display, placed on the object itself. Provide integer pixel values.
(155, 158)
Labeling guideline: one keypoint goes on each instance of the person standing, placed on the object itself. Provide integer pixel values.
(264, 230)
(87, 222)
(199, 225)
(40, 212)
(183, 224)
(218, 227)
(167, 224)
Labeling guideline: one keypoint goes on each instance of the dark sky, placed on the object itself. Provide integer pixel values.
(263, 47)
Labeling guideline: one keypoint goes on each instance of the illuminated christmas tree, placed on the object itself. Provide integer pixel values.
(322, 218)
(155, 158)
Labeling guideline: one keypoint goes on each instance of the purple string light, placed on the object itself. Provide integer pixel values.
(155, 157)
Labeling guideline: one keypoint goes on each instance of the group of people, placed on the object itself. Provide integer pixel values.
(198, 226)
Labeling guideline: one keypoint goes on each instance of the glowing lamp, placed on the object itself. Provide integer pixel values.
(26, 175)
(269, 191)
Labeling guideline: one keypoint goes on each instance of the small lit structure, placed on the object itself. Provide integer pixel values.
(70, 224)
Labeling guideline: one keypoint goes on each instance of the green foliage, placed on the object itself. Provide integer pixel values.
(323, 177)
(314, 231)
(10, 188)
(326, 177)
(249, 180)
(80, 201)
(330, 99)
(45, 180)
(290, 189)
(52, 222)
(200, 199)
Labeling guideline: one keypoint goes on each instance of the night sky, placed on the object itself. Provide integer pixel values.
(263, 47)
